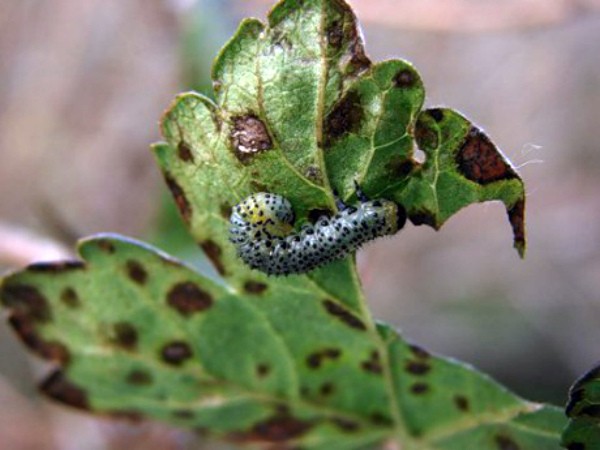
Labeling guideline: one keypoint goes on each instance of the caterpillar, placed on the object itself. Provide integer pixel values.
(262, 230)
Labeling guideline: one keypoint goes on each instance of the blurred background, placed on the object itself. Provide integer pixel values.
(83, 84)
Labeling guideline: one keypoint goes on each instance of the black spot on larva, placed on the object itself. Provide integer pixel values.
(69, 298)
(225, 210)
(213, 252)
(345, 424)
(183, 414)
(59, 388)
(262, 370)
(249, 137)
(27, 301)
(55, 267)
(423, 218)
(106, 246)
(139, 377)
(436, 114)
(176, 352)
(187, 298)
(136, 272)
(516, 217)
(50, 350)
(184, 152)
(335, 34)
(125, 335)
(419, 352)
(480, 161)
(417, 367)
(255, 287)
(316, 213)
(326, 389)
(381, 419)
(419, 388)
(181, 200)
(343, 314)
(405, 79)
(345, 117)
(461, 402)
(506, 443)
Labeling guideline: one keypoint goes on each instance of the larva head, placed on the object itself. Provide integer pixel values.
(270, 212)
(394, 213)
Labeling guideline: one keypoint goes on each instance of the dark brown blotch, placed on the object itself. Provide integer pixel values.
(136, 272)
(184, 152)
(187, 298)
(281, 427)
(345, 118)
(399, 167)
(516, 217)
(50, 350)
(183, 205)
(138, 377)
(346, 425)
(63, 266)
(506, 443)
(314, 360)
(326, 389)
(480, 161)
(417, 367)
(225, 210)
(423, 218)
(436, 114)
(27, 301)
(381, 419)
(213, 252)
(419, 352)
(254, 287)
(249, 137)
(263, 370)
(359, 62)
(125, 335)
(405, 79)
(106, 246)
(335, 34)
(176, 353)
(342, 314)
(69, 298)
(462, 403)
(373, 364)
(58, 387)
(419, 388)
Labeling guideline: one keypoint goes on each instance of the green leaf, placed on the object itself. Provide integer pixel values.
(138, 334)
(583, 409)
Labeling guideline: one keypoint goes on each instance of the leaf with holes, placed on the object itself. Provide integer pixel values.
(292, 361)
(583, 409)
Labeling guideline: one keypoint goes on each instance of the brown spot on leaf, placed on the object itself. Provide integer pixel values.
(187, 298)
(279, 428)
(59, 388)
(262, 370)
(326, 389)
(125, 335)
(225, 210)
(423, 218)
(405, 78)
(373, 364)
(139, 377)
(436, 114)
(50, 350)
(345, 118)
(461, 402)
(359, 62)
(184, 152)
(480, 161)
(55, 267)
(346, 425)
(399, 167)
(249, 137)
(136, 272)
(314, 360)
(516, 217)
(506, 443)
(27, 301)
(314, 174)
(425, 135)
(213, 252)
(106, 246)
(381, 419)
(343, 314)
(179, 196)
(419, 388)
(335, 34)
(417, 367)
(175, 353)
(69, 298)
(254, 287)
(419, 352)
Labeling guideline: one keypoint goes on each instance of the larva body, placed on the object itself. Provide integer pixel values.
(262, 231)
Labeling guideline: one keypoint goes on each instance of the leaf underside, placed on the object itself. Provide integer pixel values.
(281, 362)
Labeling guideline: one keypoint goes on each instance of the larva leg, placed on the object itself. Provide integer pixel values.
(339, 203)
(359, 193)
